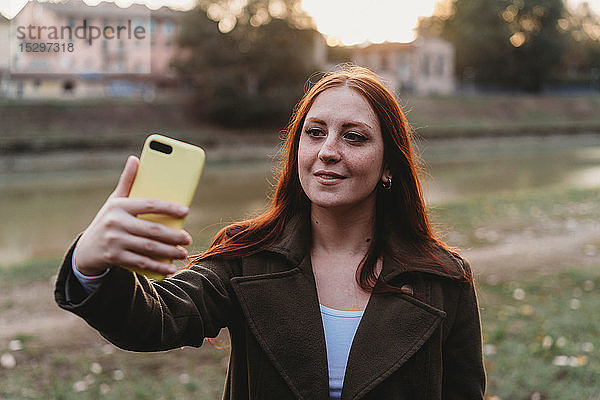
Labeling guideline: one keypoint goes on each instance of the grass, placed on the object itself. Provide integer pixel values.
(541, 336)
(28, 272)
(485, 219)
(99, 370)
(540, 331)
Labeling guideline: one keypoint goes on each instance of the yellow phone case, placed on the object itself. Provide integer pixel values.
(169, 170)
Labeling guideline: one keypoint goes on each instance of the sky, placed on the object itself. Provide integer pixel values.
(341, 21)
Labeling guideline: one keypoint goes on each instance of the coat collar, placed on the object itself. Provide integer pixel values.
(295, 241)
(282, 310)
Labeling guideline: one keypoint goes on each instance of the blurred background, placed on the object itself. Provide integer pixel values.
(503, 97)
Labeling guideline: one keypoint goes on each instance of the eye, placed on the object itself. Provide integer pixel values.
(314, 132)
(355, 137)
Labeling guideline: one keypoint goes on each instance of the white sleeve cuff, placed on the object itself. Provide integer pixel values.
(89, 283)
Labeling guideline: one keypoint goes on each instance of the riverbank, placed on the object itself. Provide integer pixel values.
(235, 149)
(503, 115)
(38, 127)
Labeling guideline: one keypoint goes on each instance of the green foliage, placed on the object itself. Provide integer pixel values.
(510, 43)
(521, 44)
(254, 73)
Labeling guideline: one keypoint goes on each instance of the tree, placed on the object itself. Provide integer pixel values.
(248, 65)
(509, 43)
(581, 61)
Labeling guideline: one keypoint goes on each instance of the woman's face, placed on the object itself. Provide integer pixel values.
(340, 154)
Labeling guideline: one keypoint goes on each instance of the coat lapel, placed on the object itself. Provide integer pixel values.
(282, 310)
(394, 326)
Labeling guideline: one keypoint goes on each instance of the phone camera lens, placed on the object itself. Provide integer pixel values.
(163, 148)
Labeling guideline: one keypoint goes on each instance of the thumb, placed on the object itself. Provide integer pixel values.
(127, 177)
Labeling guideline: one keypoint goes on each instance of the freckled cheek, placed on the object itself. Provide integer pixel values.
(304, 169)
(366, 166)
(304, 165)
(307, 155)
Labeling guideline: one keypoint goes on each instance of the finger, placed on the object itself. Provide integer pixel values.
(139, 205)
(152, 248)
(156, 231)
(127, 177)
(132, 259)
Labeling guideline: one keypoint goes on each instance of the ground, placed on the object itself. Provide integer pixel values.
(536, 263)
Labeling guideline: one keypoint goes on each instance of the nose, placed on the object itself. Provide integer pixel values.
(329, 151)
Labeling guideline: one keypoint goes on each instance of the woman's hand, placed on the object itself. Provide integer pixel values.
(117, 237)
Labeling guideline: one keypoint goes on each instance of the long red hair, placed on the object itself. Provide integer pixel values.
(399, 211)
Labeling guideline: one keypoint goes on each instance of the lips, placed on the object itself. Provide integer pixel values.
(328, 175)
(328, 178)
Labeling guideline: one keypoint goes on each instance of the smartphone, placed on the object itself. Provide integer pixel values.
(169, 170)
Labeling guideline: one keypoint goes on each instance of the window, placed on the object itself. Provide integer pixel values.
(386, 62)
(439, 65)
(425, 65)
(167, 28)
(403, 67)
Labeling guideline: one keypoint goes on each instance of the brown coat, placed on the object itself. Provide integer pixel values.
(424, 345)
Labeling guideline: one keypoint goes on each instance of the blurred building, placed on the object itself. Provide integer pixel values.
(424, 66)
(97, 67)
(4, 51)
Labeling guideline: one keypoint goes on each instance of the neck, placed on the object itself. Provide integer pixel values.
(348, 231)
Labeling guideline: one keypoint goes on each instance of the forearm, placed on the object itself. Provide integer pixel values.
(136, 314)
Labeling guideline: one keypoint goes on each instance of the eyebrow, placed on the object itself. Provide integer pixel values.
(349, 124)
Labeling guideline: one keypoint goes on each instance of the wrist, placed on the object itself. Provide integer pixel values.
(85, 272)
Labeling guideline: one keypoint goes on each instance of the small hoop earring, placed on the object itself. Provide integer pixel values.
(387, 185)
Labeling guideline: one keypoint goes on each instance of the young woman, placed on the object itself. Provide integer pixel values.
(340, 290)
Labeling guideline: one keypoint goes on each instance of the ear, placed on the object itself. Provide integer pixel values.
(386, 173)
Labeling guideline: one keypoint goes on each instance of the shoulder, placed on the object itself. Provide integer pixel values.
(452, 280)
(452, 265)
(461, 264)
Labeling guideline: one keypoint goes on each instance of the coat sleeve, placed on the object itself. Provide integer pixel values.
(140, 315)
(463, 368)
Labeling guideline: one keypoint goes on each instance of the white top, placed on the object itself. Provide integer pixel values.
(340, 327)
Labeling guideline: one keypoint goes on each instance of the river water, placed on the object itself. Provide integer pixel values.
(42, 212)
